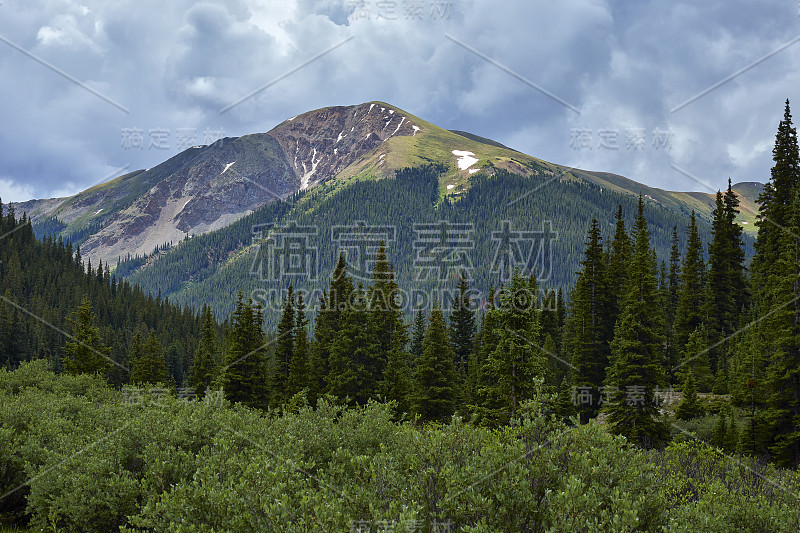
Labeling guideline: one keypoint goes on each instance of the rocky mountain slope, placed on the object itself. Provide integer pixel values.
(206, 188)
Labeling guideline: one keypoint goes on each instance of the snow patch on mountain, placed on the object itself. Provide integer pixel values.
(465, 159)
(398, 126)
(308, 173)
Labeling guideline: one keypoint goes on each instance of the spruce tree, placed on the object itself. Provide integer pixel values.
(671, 308)
(565, 405)
(776, 271)
(383, 304)
(298, 368)
(246, 374)
(694, 360)
(356, 359)
(619, 256)
(462, 326)
(589, 325)
(207, 357)
(434, 378)
(690, 314)
(418, 335)
(637, 360)
(516, 360)
(396, 382)
(150, 366)
(727, 287)
(775, 200)
(385, 314)
(731, 441)
(737, 272)
(720, 430)
(783, 329)
(85, 352)
(333, 305)
(689, 407)
(284, 350)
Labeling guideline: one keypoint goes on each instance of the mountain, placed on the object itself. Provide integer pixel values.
(332, 167)
(205, 188)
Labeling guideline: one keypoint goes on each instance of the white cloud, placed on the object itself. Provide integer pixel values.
(175, 65)
(10, 191)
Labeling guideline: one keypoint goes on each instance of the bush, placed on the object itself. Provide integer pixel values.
(97, 462)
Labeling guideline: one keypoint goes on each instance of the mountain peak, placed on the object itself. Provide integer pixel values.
(323, 142)
(205, 188)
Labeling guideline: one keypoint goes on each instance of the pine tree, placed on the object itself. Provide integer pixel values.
(298, 369)
(207, 357)
(434, 391)
(284, 350)
(462, 326)
(150, 366)
(516, 360)
(418, 336)
(86, 353)
(690, 314)
(637, 361)
(589, 324)
(246, 374)
(334, 303)
(694, 360)
(690, 404)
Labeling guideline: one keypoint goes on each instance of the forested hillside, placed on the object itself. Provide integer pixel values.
(44, 283)
(556, 213)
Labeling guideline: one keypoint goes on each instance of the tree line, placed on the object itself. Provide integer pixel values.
(699, 322)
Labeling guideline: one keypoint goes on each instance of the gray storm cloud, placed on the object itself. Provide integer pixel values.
(515, 71)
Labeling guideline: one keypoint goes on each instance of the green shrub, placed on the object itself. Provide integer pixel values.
(90, 460)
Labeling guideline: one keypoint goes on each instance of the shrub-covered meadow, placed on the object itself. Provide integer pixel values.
(76, 455)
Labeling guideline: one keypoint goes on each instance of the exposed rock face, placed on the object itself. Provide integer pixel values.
(206, 188)
(222, 182)
(321, 143)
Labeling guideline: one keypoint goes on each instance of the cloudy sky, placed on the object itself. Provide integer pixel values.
(679, 94)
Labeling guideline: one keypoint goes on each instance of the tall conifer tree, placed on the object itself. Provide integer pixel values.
(206, 358)
(434, 378)
(637, 361)
(590, 326)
